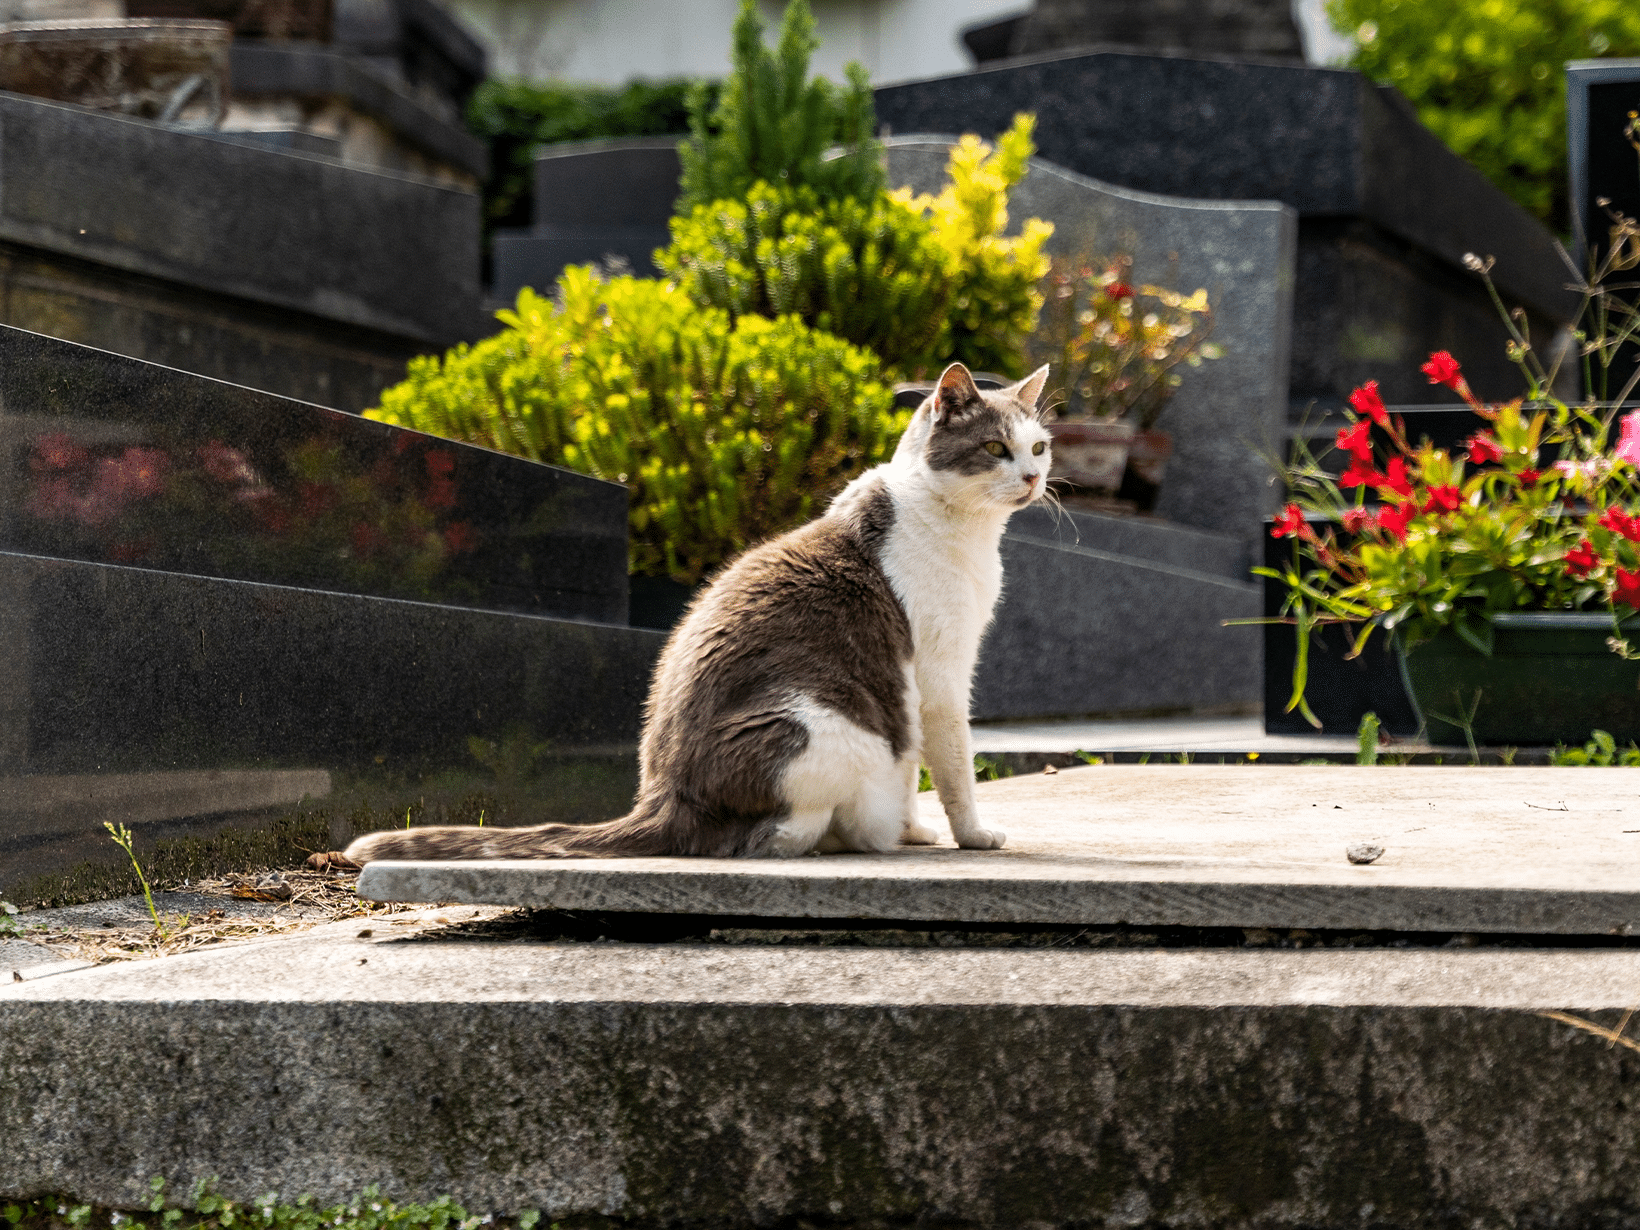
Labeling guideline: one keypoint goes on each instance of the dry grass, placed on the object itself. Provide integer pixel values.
(313, 897)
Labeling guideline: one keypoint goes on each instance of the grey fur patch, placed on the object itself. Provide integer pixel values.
(809, 614)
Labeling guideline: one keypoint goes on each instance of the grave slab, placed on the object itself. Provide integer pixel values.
(709, 1085)
(1538, 850)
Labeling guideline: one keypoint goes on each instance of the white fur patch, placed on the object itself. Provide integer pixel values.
(846, 790)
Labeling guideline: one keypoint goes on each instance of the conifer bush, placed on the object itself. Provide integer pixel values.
(726, 431)
(772, 122)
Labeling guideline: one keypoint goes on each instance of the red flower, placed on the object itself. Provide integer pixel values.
(226, 465)
(366, 539)
(1628, 588)
(1119, 290)
(1528, 478)
(1366, 401)
(1393, 519)
(1443, 500)
(1483, 448)
(1581, 560)
(1290, 523)
(1357, 439)
(1442, 368)
(1360, 474)
(1360, 520)
(1396, 480)
(58, 451)
(1620, 522)
(460, 537)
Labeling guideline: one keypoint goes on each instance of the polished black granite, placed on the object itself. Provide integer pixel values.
(111, 460)
(1386, 211)
(185, 703)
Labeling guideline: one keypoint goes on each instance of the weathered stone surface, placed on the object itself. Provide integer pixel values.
(264, 227)
(702, 1086)
(1473, 849)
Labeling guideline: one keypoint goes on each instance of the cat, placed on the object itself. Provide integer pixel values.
(791, 706)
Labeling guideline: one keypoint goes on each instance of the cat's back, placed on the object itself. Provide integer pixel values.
(810, 612)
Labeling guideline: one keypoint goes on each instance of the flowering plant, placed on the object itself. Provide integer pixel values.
(1112, 347)
(1537, 511)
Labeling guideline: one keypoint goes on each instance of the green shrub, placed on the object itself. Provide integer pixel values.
(868, 271)
(996, 296)
(725, 431)
(921, 281)
(1487, 77)
(772, 122)
(515, 117)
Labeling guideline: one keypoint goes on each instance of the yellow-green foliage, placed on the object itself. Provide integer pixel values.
(869, 271)
(922, 281)
(995, 299)
(725, 431)
(1488, 76)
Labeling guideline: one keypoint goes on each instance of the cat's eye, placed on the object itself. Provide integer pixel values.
(1036, 449)
(995, 448)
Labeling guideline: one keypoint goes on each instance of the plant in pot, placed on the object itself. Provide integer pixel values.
(1113, 350)
(1507, 572)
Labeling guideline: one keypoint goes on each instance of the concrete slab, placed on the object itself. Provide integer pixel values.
(1196, 734)
(1542, 851)
(701, 1085)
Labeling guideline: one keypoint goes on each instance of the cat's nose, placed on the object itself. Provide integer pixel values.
(1030, 479)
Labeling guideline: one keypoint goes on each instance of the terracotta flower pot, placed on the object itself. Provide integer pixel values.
(1146, 466)
(1092, 454)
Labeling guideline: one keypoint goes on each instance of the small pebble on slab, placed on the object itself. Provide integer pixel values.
(1364, 853)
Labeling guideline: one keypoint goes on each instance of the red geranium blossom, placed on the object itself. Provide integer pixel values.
(1396, 479)
(1581, 559)
(1443, 500)
(1360, 474)
(1483, 449)
(1119, 290)
(1620, 522)
(1628, 588)
(1528, 478)
(1442, 368)
(1357, 439)
(1358, 520)
(1291, 522)
(1393, 519)
(1366, 401)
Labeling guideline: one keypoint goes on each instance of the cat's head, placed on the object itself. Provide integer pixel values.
(982, 448)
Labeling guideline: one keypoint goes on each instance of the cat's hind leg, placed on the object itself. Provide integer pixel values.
(846, 774)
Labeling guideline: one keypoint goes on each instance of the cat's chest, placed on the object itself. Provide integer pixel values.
(947, 590)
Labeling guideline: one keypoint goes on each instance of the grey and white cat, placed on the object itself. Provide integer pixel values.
(792, 705)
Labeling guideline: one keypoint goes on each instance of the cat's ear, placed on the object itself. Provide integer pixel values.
(955, 395)
(1029, 390)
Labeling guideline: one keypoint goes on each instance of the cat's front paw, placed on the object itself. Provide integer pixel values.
(915, 834)
(981, 839)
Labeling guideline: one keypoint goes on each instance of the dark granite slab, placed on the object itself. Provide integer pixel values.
(106, 459)
(123, 691)
(1387, 212)
(593, 200)
(1227, 411)
(391, 253)
(1104, 614)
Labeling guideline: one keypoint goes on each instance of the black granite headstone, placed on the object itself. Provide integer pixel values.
(593, 200)
(219, 607)
(1602, 101)
(1386, 211)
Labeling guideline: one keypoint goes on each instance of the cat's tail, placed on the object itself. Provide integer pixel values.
(636, 835)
